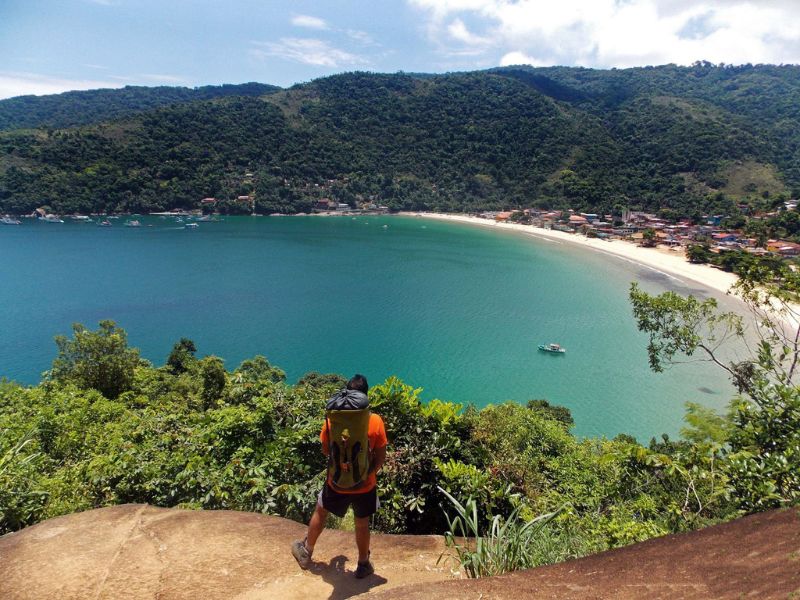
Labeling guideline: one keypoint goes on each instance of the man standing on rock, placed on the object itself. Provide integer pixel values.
(354, 440)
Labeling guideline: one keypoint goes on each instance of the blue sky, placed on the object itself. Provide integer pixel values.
(49, 46)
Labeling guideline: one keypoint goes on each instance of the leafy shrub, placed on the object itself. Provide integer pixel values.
(509, 544)
(21, 503)
(99, 360)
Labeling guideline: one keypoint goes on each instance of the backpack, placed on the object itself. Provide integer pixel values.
(348, 447)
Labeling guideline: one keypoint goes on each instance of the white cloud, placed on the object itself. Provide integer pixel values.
(614, 33)
(22, 84)
(520, 58)
(362, 37)
(309, 21)
(459, 32)
(308, 51)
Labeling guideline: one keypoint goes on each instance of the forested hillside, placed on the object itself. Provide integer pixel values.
(692, 139)
(82, 108)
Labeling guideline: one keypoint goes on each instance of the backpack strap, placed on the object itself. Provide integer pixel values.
(330, 440)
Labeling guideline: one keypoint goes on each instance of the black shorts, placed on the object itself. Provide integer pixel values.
(364, 505)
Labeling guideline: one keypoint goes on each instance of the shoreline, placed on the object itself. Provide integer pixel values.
(672, 264)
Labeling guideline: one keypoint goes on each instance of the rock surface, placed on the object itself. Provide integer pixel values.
(143, 552)
(753, 557)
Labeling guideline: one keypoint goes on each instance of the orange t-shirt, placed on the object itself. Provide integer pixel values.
(377, 439)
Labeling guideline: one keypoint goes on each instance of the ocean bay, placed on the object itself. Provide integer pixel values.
(456, 310)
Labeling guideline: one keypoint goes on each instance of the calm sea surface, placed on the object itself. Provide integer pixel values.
(457, 310)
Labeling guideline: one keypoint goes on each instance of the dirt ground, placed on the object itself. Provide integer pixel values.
(143, 552)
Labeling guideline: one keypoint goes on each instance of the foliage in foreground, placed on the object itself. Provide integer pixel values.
(757, 445)
(510, 544)
(193, 434)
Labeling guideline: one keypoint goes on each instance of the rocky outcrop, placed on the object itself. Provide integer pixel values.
(143, 552)
(753, 557)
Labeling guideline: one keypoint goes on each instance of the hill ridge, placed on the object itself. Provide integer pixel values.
(650, 138)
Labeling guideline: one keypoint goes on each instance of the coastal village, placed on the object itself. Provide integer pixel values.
(644, 228)
(648, 229)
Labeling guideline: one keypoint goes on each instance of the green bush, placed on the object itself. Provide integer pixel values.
(99, 360)
(21, 503)
(506, 544)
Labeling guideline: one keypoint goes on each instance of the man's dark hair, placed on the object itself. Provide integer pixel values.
(358, 382)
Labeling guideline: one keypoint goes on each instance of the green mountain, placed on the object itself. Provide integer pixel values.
(689, 139)
(72, 109)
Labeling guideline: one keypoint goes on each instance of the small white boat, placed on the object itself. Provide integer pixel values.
(50, 219)
(81, 218)
(105, 223)
(554, 348)
(191, 226)
(133, 223)
(10, 221)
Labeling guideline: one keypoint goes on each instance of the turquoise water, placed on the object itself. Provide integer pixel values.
(457, 310)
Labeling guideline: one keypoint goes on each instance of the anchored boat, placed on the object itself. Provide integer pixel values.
(554, 348)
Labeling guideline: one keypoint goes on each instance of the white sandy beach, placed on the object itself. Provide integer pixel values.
(670, 262)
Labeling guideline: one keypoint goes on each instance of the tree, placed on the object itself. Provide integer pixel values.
(96, 359)
(315, 380)
(554, 411)
(258, 369)
(698, 253)
(182, 356)
(214, 378)
(649, 238)
(762, 455)
(678, 325)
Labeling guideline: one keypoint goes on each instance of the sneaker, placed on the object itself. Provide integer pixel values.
(364, 569)
(301, 554)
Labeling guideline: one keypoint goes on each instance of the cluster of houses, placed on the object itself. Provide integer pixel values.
(323, 205)
(326, 205)
(632, 225)
(245, 201)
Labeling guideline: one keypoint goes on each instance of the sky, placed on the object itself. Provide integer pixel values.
(51, 46)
